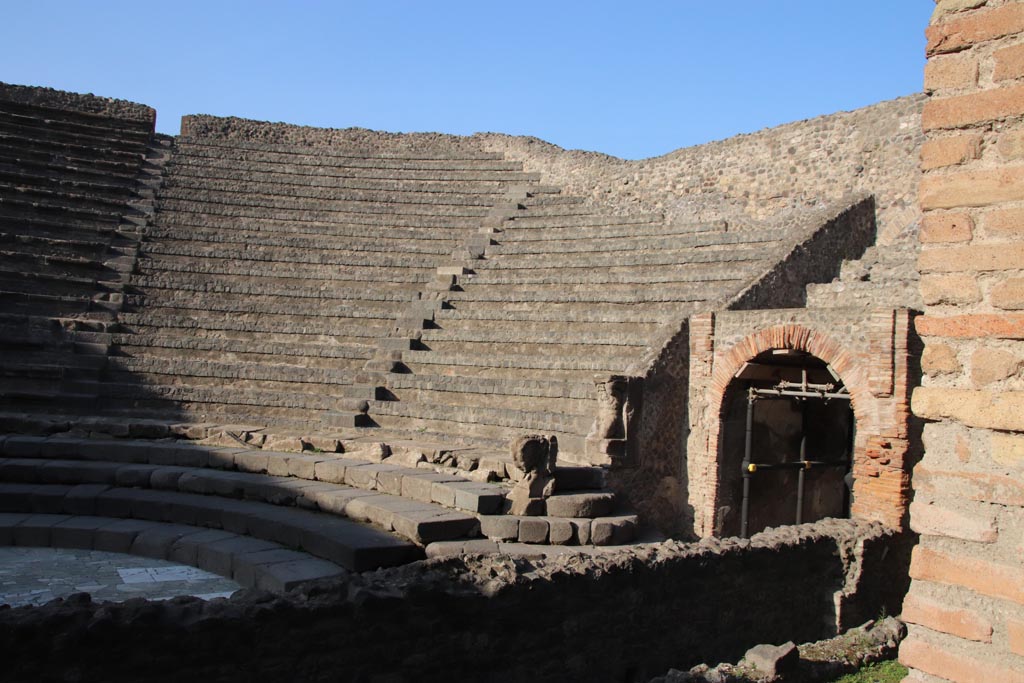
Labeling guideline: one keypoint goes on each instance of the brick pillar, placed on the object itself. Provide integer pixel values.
(966, 602)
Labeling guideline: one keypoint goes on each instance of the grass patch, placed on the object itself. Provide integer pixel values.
(880, 672)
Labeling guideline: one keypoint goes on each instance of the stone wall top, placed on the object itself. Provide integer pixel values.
(758, 176)
(78, 102)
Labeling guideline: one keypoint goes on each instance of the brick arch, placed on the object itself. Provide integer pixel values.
(798, 338)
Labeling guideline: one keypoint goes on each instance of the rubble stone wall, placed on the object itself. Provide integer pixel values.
(966, 601)
(69, 101)
(620, 617)
(796, 167)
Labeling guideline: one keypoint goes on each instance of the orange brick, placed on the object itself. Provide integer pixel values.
(954, 666)
(972, 258)
(950, 151)
(1009, 63)
(972, 188)
(978, 325)
(1004, 223)
(950, 72)
(962, 31)
(1001, 581)
(1015, 635)
(936, 616)
(947, 227)
(1009, 294)
(978, 107)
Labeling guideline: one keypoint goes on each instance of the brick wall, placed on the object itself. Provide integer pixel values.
(966, 602)
(871, 352)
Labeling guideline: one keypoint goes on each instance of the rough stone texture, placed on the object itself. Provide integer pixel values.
(966, 571)
(778, 583)
(86, 104)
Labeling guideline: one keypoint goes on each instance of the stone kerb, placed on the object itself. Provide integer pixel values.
(77, 102)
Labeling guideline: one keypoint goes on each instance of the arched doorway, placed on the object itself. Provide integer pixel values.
(787, 439)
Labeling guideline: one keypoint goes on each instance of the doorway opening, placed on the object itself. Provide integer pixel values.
(788, 430)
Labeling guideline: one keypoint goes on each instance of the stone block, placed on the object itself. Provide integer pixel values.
(581, 528)
(533, 530)
(134, 475)
(118, 536)
(281, 577)
(166, 478)
(186, 549)
(427, 526)
(560, 532)
(20, 446)
(77, 532)
(81, 499)
(420, 486)
(477, 497)
(36, 530)
(219, 556)
(365, 476)
(582, 504)
(332, 470)
(773, 660)
(613, 530)
(990, 365)
(336, 500)
(9, 520)
(255, 462)
(500, 527)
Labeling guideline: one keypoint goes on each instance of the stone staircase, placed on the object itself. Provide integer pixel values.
(353, 512)
(560, 294)
(271, 274)
(886, 276)
(75, 189)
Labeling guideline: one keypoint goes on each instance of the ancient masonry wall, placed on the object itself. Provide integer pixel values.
(658, 480)
(624, 616)
(772, 173)
(871, 352)
(966, 602)
(798, 166)
(69, 101)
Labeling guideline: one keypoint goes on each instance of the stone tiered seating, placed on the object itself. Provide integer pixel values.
(73, 192)
(563, 294)
(272, 272)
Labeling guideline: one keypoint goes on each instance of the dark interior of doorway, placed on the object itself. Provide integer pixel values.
(821, 420)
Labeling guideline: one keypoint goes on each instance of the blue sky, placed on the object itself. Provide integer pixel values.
(633, 79)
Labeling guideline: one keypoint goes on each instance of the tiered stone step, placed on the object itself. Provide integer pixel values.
(562, 294)
(421, 506)
(420, 503)
(74, 188)
(271, 272)
(252, 562)
(886, 276)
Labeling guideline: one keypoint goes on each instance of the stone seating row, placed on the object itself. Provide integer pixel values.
(69, 183)
(252, 562)
(200, 151)
(419, 503)
(355, 546)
